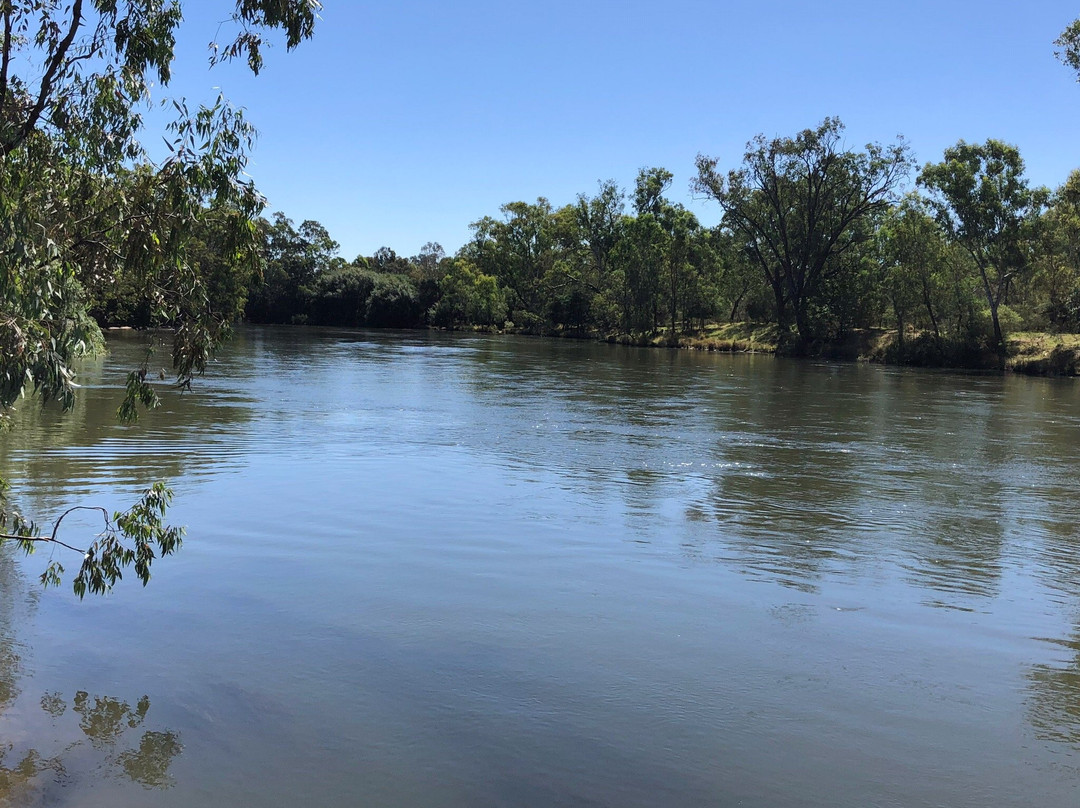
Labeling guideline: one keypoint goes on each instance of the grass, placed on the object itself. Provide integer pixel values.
(1029, 352)
(728, 338)
(1042, 354)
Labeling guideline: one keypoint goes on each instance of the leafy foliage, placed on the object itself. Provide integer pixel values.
(983, 202)
(131, 538)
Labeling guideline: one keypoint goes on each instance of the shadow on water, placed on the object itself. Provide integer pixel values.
(61, 742)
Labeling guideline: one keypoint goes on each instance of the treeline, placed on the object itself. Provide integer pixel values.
(814, 237)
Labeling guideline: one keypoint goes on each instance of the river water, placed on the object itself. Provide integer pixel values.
(457, 570)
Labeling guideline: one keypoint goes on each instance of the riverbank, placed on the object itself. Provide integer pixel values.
(1029, 353)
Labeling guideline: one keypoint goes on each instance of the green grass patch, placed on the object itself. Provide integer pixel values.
(1041, 354)
(733, 338)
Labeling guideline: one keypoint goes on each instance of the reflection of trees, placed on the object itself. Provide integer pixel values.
(16, 605)
(95, 734)
(827, 471)
(66, 458)
(790, 493)
(1054, 698)
(109, 727)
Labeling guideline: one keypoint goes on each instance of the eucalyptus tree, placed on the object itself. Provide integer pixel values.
(82, 204)
(1056, 279)
(601, 226)
(797, 203)
(739, 282)
(520, 251)
(850, 294)
(1069, 42)
(701, 292)
(669, 236)
(293, 258)
(983, 202)
(638, 259)
(468, 297)
(912, 251)
(427, 264)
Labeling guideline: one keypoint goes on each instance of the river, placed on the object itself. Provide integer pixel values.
(464, 570)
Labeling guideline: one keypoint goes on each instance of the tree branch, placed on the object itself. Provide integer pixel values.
(6, 60)
(52, 70)
(56, 527)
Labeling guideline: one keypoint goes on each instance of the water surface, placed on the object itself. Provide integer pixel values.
(445, 570)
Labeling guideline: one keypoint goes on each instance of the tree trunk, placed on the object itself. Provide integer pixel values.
(899, 334)
(802, 325)
(930, 311)
(999, 339)
(994, 302)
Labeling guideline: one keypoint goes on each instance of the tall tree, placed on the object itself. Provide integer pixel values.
(912, 253)
(600, 219)
(983, 202)
(797, 202)
(519, 250)
(1069, 42)
(1057, 278)
(292, 259)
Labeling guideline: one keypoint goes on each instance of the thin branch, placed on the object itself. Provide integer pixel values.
(6, 63)
(104, 514)
(47, 539)
(52, 70)
(56, 527)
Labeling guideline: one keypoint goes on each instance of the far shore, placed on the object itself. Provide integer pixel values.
(1029, 352)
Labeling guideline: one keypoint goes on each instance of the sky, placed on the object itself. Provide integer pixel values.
(401, 123)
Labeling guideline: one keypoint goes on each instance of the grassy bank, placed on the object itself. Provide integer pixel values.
(1031, 353)
(1028, 352)
(1044, 354)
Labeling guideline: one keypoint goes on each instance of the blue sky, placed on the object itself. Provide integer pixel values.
(402, 122)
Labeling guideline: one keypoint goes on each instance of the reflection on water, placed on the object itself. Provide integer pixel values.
(1054, 702)
(458, 570)
(86, 452)
(113, 744)
(81, 740)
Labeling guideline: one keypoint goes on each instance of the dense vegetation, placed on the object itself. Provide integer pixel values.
(815, 238)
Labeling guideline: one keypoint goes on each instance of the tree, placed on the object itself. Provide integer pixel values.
(641, 258)
(739, 281)
(83, 205)
(292, 259)
(600, 219)
(912, 252)
(1069, 42)
(427, 263)
(468, 297)
(797, 203)
(1057, 273)
(983, 203)
(520, 251)
(665, 238)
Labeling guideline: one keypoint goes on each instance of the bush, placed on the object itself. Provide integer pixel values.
(340, 296)
(393, 303)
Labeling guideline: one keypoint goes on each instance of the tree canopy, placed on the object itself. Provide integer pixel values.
(797, 203)
(983, 202)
